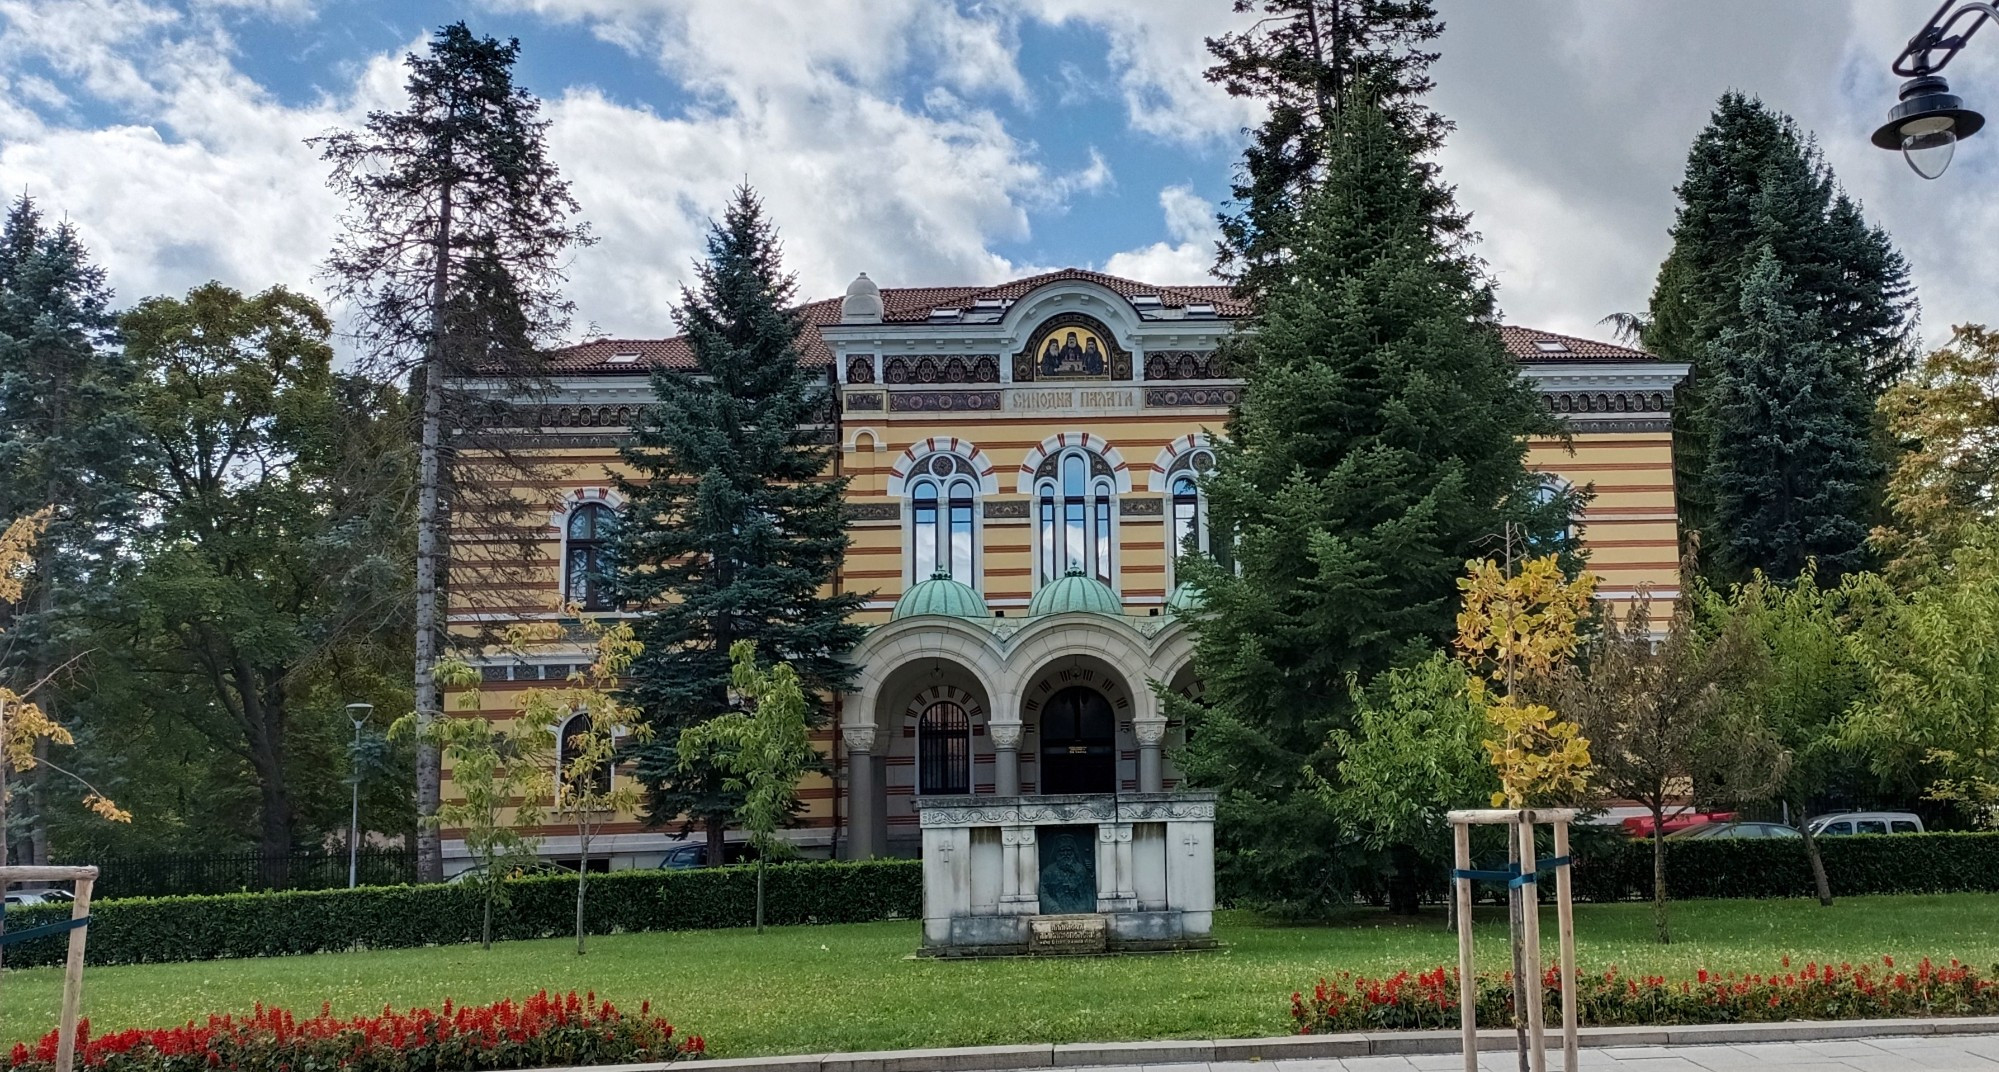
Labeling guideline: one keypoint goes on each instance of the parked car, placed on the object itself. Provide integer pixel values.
(24, 898)
(1707, 831)
(518, 871)
(1842, 823)
(1640, 826)
(695, 854)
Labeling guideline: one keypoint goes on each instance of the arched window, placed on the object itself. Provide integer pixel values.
(586, 558)
(1189, 507)
(571, 741)
(1075, 491)
(943, 751)
(943, 519)
(1555, 502)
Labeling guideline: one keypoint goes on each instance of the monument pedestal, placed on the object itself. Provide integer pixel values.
(1067, 875)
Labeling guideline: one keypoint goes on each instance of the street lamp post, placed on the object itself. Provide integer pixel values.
(1930, 120)
(357, 713)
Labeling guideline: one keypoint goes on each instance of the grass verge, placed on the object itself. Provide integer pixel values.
(856, 987)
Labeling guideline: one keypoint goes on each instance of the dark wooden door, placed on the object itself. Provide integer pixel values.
(1078, 743)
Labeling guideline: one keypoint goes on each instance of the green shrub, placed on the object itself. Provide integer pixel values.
(153, 930)
(1704, 868)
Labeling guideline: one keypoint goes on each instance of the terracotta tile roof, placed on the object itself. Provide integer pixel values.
(907, 305)
(1541, 347)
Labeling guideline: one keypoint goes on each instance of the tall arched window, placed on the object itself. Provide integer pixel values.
(571, 741)
(943, 534)
(586, 558)
(1556, 501)
(1189, 507)
(943, 751)
(1075, 491)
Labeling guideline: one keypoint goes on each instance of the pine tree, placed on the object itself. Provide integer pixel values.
(733, 530)
(1304, 60)
(1380, 442)
(453, 253)
(1790, 462)
(1755, 183)
(64, 443)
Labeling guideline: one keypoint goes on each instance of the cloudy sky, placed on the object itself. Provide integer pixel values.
(949, 141)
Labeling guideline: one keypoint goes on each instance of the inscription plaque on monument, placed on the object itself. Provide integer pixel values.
(1068, 935)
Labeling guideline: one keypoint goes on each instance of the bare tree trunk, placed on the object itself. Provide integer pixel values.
(1659, 872)
(1819, 881)
(760, 893)
(486, 925)
(582, 877)
(429, 779)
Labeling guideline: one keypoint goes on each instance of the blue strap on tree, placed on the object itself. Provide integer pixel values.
(42, 931)
(1512, 876)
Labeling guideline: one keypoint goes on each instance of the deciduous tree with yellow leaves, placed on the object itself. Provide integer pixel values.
(1519, 632)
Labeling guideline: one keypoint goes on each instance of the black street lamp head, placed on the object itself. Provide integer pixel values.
(1927, 125)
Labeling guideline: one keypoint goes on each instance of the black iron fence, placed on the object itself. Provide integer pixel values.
(167, 874)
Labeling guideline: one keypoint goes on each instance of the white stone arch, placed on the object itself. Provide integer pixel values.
(1061, 441)
(876, 443)
(1155, 475)
(577, 496)
(898, 474)
(1057, 636)
(885, 655)
(1071, 295)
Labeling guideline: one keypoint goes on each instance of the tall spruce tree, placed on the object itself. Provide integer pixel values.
(65, 443)
(1756, 184)
(1380, 444)
(1791, 465)
(1304, 60)
(455, 242)
(733, 528)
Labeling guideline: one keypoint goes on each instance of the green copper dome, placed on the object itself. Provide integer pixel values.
(1074, 592)
(940, 595)
(1183, 600)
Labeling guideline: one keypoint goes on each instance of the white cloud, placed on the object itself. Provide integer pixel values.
(1189, 254)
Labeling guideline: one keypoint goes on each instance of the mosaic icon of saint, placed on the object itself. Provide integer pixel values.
(1093, 358)
(1051, 357)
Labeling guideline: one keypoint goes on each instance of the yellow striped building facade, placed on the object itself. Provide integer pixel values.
(1022, 461)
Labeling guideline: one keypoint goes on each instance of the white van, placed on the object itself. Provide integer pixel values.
(1842, 823)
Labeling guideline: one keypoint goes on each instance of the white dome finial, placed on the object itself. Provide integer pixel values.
(863, 303)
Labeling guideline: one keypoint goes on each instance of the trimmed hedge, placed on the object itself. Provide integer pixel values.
(1704, 868)
(153, 930)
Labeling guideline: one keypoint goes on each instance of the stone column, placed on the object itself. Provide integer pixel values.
(1150, 731)
(863, 799)
(1006, 757)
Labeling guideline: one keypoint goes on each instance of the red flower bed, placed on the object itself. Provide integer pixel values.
(1816, 992)
(539, 1032)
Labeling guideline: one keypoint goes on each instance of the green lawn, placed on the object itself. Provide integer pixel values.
(812, 989)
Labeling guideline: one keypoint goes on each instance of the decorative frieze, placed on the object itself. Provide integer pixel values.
(941, 368)
(1171, 397)
(870, 401)
(1142, 506)
(1190, 806)
(1626, 426)
(861, 368)
(944, 402)
(1006, 509)
(874, 511)
(1186, 365)
(1608, 401)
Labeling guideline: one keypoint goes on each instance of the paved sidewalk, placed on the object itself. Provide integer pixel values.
(1956, 1053)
